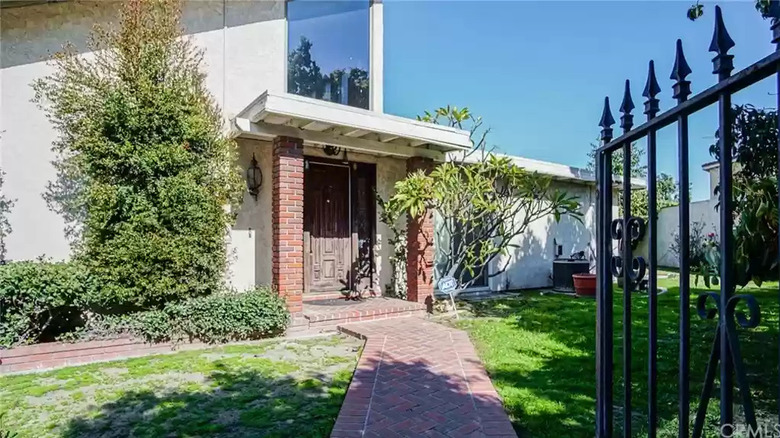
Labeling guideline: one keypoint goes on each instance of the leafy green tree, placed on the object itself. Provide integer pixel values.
(667, 191)
(303, 74)
(148, 169)
(754, 193)
(482, 200)
(638, 166)
(667, 195)
(305, 78)
(697, 9)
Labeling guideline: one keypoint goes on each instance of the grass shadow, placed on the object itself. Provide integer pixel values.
(239, 403)
(275, 389)
(540, 353)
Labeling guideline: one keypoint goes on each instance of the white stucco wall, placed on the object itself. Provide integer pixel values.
(245, 47)
(249, 247)
(703, 212)
(530, 264)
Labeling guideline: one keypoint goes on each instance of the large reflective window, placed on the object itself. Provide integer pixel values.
(328, 50)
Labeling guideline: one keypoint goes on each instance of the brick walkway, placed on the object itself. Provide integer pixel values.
(419, 378)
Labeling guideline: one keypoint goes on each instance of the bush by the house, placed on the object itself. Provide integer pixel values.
(98, 327)
(229, 316)
(39, 299)
(145, 169)
(703, 257)
(222, 317)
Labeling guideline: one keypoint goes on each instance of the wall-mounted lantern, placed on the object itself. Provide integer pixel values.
(254, 178)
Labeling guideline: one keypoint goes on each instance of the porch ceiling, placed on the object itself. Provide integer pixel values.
(326, 123)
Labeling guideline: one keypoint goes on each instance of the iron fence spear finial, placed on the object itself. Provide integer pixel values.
(681, 69)
(627, 119)
(606, 122)
(722, 63)
(651, 90)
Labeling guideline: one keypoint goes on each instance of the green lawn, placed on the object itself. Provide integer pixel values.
(540, 353)
(271, 389)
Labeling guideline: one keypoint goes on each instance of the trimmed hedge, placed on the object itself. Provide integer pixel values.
(38, 298)
(41, 301)
(223, 317)
(226, 317)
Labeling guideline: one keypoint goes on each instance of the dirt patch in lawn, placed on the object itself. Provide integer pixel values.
(275, 388)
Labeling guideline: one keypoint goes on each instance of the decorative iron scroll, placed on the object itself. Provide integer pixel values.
(636, 230)
(731, 318)
(732, 312)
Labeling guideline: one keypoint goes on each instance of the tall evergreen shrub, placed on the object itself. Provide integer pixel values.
(147, 176)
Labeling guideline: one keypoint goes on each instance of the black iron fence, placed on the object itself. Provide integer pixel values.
(725, 355)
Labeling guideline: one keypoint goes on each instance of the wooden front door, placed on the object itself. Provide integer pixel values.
(326, 226)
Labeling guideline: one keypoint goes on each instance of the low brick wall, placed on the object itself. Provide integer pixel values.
(57, 354)
(313, 319)
(368, 310)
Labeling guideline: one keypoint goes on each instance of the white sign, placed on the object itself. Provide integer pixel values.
(448, 284)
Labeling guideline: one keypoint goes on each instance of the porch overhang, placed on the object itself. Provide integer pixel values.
(324, 123)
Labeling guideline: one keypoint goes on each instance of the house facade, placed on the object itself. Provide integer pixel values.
(300, 84)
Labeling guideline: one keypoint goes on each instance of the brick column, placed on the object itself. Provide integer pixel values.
(419, 247)
(287, 221)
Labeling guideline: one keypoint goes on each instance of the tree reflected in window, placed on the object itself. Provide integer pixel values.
(329, 51)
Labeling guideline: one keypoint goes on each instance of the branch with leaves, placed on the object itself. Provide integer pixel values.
(5, 225)
(754, 193)
(697, 9)
(482, 202)
(667, 190)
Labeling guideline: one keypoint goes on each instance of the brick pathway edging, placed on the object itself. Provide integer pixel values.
(419, 378)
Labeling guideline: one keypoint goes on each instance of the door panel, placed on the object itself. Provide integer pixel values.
(363, 220)
(328, 259)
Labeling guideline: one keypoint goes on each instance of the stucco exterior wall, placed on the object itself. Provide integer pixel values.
(703, 212)
(249, 247)
(530, 264)
(245, 47)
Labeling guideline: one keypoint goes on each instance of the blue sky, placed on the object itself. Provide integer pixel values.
(538, 71)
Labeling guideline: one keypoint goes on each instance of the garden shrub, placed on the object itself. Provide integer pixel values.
(703, 256)
(222, 317)
(229, 316)
(148, 181)
(155, 326)
(38, 298)
(101, 327)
